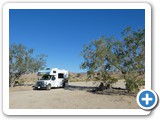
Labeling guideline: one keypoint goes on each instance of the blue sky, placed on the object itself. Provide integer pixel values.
(61, 34)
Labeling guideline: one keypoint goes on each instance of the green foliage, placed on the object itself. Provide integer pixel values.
(104, 56)
(133, 66)
(21, 61)
(95, 61)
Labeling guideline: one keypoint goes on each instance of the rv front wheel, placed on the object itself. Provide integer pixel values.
(48, 87)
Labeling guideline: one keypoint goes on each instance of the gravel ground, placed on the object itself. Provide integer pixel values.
(74, 96)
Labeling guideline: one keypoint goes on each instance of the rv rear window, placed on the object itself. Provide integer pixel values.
(60, 75)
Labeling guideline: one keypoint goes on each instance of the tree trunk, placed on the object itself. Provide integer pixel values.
(12, 83)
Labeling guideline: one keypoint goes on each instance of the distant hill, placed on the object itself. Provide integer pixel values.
(31, 78)
(73, 77)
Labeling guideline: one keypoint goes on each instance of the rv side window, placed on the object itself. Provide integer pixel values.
(60, 75)
(54, 71)
(53, 78)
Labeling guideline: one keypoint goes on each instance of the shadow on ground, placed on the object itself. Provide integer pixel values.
(95, 90)
(83, 88)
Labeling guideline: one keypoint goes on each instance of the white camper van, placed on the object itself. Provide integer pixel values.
(51, 78)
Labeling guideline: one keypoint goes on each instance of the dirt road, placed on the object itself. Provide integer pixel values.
(75, 96)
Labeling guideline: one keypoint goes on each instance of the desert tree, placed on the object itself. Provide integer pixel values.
(126, 57)
(95, 61)
(133, 64)
(22, 61)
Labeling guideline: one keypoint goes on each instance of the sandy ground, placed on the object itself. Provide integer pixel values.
(75, 96)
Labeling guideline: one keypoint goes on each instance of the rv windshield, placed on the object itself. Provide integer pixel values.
(45, 77)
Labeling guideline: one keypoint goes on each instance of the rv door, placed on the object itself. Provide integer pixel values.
(53, 81)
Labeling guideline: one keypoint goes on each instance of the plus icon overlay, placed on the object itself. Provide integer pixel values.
(147, 99)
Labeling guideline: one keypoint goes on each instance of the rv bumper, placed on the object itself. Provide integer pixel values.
(41, 87)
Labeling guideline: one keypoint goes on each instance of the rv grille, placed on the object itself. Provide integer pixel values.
(40, 83)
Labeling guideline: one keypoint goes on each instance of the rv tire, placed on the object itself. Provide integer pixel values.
(48, 87)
